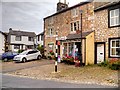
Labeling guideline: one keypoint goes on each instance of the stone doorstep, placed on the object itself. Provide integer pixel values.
(66, 81)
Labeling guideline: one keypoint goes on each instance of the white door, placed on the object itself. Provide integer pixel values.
(100, 53)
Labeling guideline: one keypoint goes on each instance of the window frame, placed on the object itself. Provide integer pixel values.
(111, 47)
(75, 12)
(109, 10)
(30, 39)
(72, 28)
(16, 38)
(16, 46)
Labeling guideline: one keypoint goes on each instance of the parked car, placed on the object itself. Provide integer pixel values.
(8, 55)
(28, 55)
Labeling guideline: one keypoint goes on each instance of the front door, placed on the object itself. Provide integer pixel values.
(100, 53)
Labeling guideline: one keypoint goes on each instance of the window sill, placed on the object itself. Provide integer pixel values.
(48, 36)
(72, 32)
(114, 56)
(113, 26)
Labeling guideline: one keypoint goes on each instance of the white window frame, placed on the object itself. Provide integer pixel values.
(50, 31)
(72, 28)
(74, 12)
(114, 17)
(111, 47)
(18, 38)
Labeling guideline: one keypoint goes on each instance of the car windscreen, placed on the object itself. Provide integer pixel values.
(23, 53)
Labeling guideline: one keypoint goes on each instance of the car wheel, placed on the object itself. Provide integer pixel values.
(24, 60)
(5, 59)
(39, 57)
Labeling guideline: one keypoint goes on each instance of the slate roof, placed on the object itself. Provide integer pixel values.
(22, 33)
(78, 36)
(98, 6)
(42, 33)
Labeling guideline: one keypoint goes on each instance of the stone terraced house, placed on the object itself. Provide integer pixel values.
(90, 28)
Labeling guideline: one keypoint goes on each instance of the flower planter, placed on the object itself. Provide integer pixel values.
(77, 63)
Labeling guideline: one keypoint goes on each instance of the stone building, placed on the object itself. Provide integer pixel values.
(99, 40)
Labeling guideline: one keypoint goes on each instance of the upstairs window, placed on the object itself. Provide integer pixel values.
(50, 31)
(30, 39)
(114, 17)
(18, 38)
(74, 12)
(50, 21)
(38, 38)
(42, 37)
(75, 26)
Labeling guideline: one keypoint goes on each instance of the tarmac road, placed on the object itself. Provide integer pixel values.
(19, 82)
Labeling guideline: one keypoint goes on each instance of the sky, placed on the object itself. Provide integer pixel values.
(27, 15)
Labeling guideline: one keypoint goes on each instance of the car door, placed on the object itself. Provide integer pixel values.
(10, 55)
(35, 54)
(30, 55)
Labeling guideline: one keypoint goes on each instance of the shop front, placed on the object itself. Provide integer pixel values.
(72, 47)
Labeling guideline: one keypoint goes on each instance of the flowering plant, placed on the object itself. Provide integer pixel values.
(51, 52)
(68, 59)
(114, 61)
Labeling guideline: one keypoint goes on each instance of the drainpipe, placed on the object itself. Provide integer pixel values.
(81, 37)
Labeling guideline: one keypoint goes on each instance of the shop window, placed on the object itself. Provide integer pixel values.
(70, 49)
(65, 49)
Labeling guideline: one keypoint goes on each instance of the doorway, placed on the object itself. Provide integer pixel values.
(99, 52)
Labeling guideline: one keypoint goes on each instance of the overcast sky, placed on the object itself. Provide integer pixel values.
(28, 15)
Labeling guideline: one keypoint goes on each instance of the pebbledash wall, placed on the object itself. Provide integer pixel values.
(103, 32)
(96, 21)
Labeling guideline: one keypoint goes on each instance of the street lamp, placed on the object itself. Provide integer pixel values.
(81, 11)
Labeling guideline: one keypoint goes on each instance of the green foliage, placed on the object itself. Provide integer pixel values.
(51, 55)
(20, 51)
(113, 64)
(41, 49)
(105, 63)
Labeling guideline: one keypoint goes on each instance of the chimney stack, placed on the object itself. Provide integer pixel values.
(10, 29)
(61, 6)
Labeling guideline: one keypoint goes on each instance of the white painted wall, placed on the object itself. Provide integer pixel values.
(24, 40)
(40, 41)
(2, 42)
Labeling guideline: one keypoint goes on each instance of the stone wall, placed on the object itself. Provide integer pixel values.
(102, 32)
(61, 22)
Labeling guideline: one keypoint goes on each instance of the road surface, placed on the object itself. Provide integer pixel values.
(19, 82)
